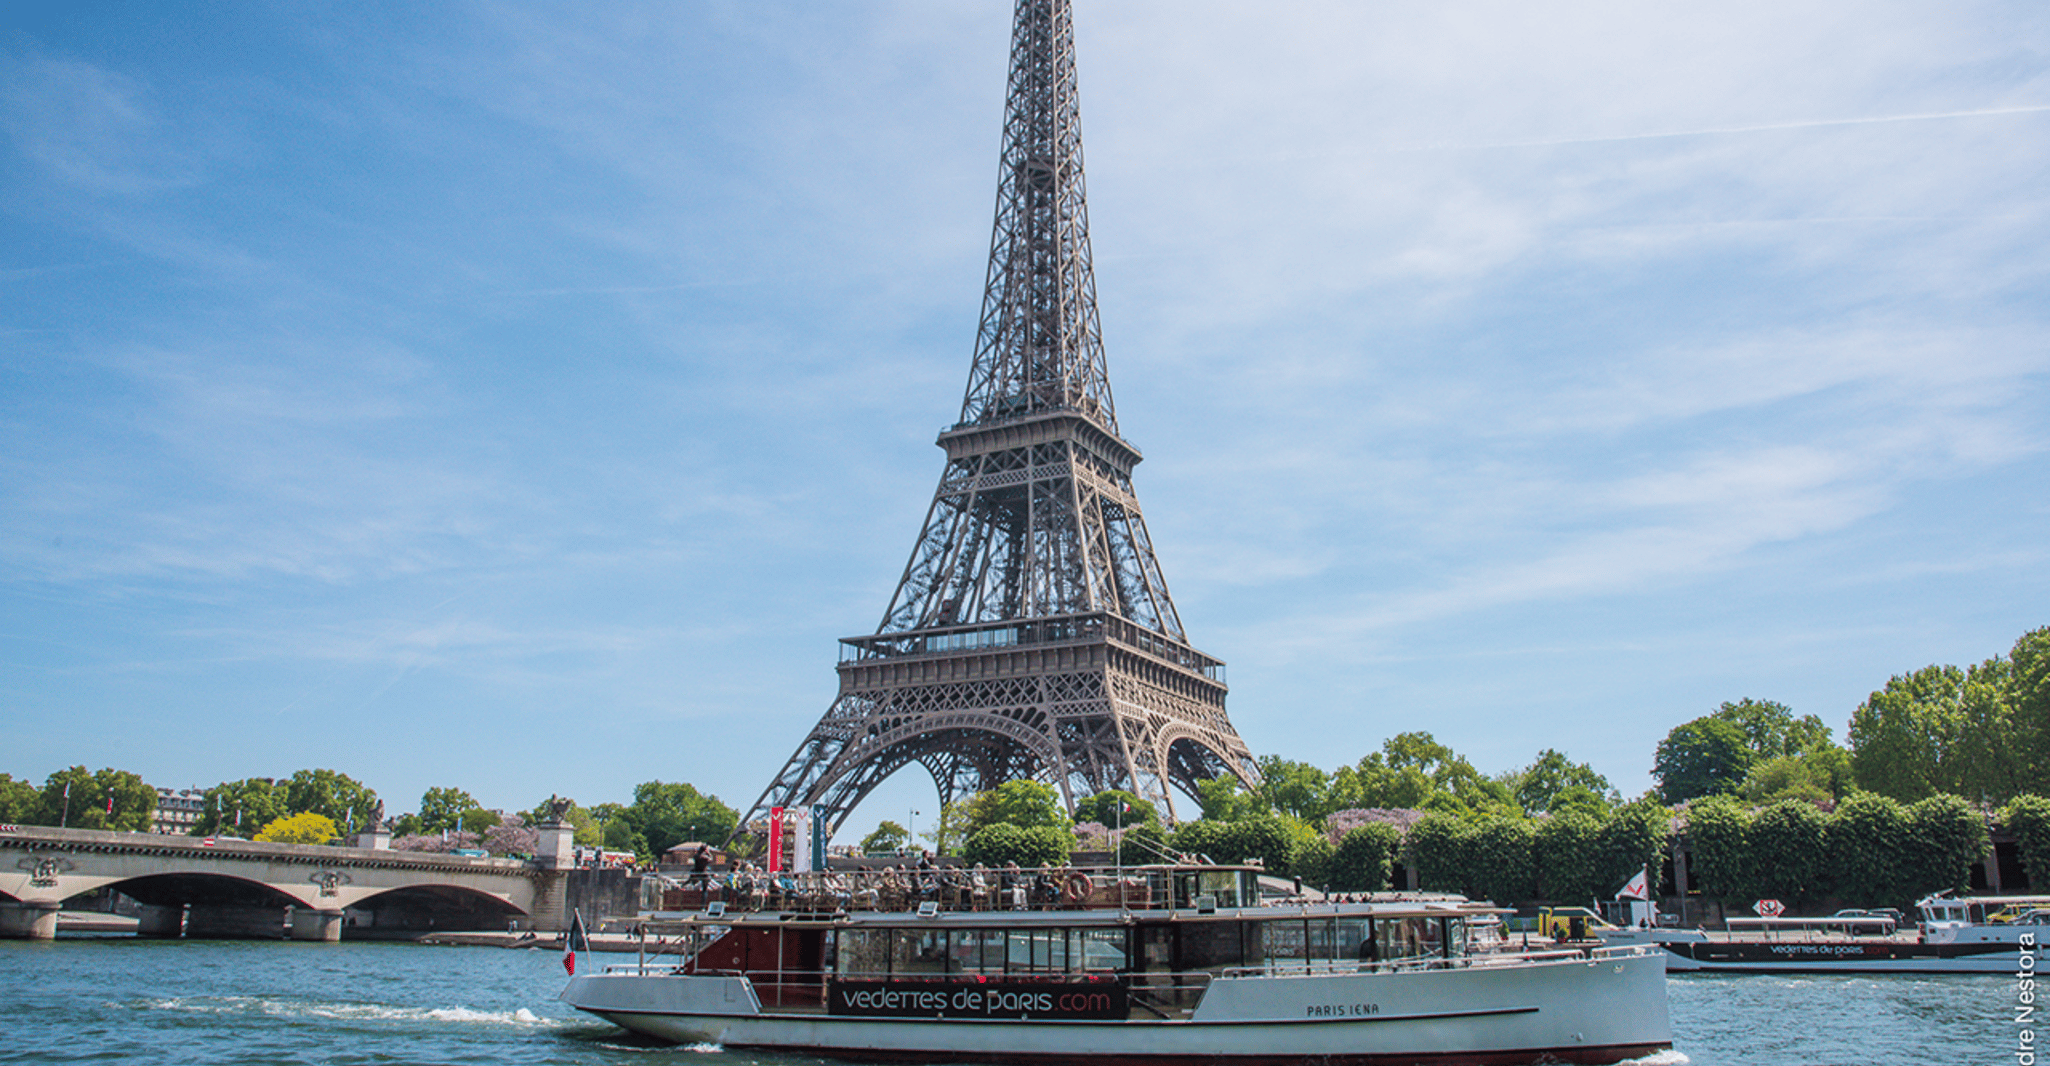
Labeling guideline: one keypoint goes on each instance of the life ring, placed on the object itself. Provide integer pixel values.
(1078, 888)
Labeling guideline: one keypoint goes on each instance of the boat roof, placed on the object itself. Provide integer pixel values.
(1103, 917)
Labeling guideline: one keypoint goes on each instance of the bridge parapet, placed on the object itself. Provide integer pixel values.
(41, 866)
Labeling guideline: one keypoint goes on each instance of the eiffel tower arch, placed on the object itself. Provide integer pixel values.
(1032, 634)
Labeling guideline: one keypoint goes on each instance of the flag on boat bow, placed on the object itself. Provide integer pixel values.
(1638, 888)
(577, 942)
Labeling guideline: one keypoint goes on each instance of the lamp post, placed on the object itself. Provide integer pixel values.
(911, 830)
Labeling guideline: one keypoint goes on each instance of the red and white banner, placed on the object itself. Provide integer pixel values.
(1638, 888)
(775, 839)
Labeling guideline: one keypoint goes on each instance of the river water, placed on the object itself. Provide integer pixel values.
(122, 1000)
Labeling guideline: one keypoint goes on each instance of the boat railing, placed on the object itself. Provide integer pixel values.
(1318, 967)
(962, 888)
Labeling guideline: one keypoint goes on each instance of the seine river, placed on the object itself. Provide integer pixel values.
(132, 1001)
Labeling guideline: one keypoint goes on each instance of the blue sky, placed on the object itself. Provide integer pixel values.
(524, 398)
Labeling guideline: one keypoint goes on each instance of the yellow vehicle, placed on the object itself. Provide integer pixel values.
(1570, 923)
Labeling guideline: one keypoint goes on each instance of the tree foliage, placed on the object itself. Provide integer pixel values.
(20, 800)
(1704, 757)
(1363, 860)
(888, 836)
(1116, 808)
(108, 799)
(1870, 851)
(1942, 729)
(2028, 818)
(1000, 842)
(240, 807)
(443, 808)
(306, 827)
(1536, 787)
(345, 800)
(665, 814)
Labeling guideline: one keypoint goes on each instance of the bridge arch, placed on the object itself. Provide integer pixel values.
(408, 911)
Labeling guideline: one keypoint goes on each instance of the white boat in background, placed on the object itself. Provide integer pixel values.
(1980, 934)
(1183, 966)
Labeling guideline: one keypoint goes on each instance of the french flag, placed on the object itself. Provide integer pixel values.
(577, 942)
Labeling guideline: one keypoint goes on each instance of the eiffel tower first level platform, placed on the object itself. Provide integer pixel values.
(1032, 635)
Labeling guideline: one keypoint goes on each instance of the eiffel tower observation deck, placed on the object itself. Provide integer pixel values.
(1032, 635)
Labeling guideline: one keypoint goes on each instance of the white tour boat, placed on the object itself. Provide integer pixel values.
(1983, 934)
(1155, 964)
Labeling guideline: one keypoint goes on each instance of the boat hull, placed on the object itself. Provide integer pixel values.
(1598, 1010)
(1839, 957)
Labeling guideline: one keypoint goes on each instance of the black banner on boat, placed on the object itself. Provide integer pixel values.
(1078, 1001)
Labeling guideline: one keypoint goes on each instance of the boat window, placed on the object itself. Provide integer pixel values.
(1351, 939)
(1285, 941)
(1036, 951)
(1224, 885)
(978, 951)
(919, 952)
(864, 951)
(1406, 938)
(1210, 945)
(1099, 949)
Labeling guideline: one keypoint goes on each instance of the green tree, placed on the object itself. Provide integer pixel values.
(108, 799)
(1635, 836)
(1868, 846)
(1222, 800)
(1946, 837)
(1023, 803)
(1262, 838)
(1438, 850)
(1567, 847)
(19, 800)
(2028, 818)
(1705, 757)
(479, 821)
(1364, 858)
(1537, 785)
(1143, 843)
(2028, 708)
(1501, 859)
(1312, 860)
(1720, 829)
(1770, 728)
(1001, 842)
(240, 807)
(1941, 729)
(1785, 777)
(665, 814)
(443, 808)
(1294, 788)
(1790, 858)
(1104, 809)
(347, 801)
(889, 836)
(305, 827)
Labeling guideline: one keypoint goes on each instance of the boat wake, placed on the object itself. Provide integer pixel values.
(271, 1007)
(1668, 1057)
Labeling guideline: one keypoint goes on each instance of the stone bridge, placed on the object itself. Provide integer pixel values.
(188, 886)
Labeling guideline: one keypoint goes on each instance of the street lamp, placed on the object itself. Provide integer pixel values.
(911, 831)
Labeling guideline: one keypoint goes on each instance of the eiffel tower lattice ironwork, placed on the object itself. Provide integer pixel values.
(1032, 635)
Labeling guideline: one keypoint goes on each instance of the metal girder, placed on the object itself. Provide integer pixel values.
(1032, 634)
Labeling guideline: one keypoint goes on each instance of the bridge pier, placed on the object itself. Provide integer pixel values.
(230, 922)
(28, 921)
(160, 921)
(316, 925)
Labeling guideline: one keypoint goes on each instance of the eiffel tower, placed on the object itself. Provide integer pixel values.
(1032, 635)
